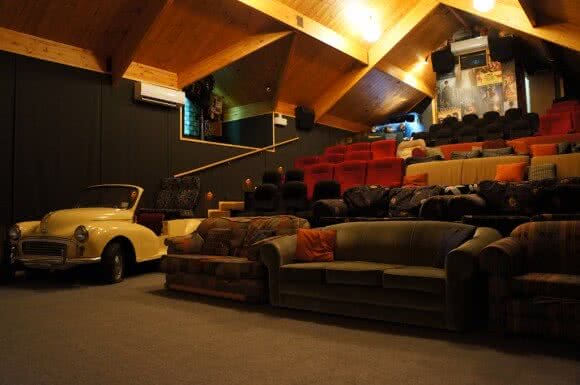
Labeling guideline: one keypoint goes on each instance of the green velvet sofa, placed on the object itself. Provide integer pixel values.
(417, 272)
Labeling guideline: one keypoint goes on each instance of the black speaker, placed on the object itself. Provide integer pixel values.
(304, 118)
(443, 61)
(501, 48)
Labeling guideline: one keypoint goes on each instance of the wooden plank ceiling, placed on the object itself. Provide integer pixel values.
(278, 53)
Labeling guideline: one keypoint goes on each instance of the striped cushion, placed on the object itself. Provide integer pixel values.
(542, 171)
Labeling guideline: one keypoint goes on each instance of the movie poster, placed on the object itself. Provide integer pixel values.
(477, 90)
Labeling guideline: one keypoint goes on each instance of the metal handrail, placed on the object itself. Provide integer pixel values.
(215, 164)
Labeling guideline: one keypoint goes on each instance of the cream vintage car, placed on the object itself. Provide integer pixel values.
(102, 229)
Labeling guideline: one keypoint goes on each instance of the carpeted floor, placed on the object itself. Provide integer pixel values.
(58, 330)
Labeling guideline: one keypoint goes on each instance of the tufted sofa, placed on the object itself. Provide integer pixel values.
(422, 273)
(534, 280)
(238, 274)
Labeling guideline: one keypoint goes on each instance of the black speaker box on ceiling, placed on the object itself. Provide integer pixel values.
(443, 61)
(501, 48)
(304, 118)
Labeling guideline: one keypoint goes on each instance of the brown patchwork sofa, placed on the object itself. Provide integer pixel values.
(423, 273)
(236, 273)
(534, 280)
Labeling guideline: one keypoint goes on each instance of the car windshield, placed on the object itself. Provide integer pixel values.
(118, 197)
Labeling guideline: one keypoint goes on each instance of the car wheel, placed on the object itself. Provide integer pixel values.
(113, 263)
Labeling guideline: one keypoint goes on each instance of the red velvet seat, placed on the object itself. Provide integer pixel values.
(338, 149)
(362, 146)
(350, 174)
(382, 149)
(315, 173)
(567, 106)
(387, 172)
(305, 161)
(556, 124)
(332, 158)
(358, 155)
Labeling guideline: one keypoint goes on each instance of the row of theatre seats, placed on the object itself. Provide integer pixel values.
(299, 188)
(561, 118)
(365, 151)
(514, 124)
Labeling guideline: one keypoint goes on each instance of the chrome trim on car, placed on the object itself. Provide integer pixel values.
(70, 254)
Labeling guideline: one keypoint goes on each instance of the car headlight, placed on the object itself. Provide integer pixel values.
(14, 233)
(81, 234)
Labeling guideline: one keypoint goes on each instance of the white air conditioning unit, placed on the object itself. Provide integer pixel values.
(469, 46)
(151, 93)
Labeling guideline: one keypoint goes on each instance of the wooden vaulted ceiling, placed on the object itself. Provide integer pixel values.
(281, 53)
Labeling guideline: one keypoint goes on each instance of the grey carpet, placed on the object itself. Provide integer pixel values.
(56, 330)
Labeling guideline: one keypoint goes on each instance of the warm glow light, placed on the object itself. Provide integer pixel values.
(363, 21)
(483, 5)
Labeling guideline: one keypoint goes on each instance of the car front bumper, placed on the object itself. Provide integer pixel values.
(50, 253)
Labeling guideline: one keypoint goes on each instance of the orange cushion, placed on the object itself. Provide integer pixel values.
(419, 153)
(510, 172)
(315, 245)
(544, 149)
(494, 144)
(415, 180)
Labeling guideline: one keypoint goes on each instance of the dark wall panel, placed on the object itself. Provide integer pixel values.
(57, 138)
(7, 69)
(68, 128)
(255, 131)
(135, 139)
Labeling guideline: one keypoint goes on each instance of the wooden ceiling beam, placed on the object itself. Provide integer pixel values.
(285, 70)
(513, 16)
(149, 13)
(406, 77)
(530, 12)
(44, 49)
(328, 120)
(310, 27)
(52, 51)
(380, 49)
(227, 56)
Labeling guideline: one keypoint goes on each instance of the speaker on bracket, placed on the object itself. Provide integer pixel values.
(443, 61)
(501, 48)
(304, 118)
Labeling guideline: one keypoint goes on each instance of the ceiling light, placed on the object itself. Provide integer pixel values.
(483, 5)
(371, 31)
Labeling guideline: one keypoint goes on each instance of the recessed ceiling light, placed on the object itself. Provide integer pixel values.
(483, 5)
(363, 21)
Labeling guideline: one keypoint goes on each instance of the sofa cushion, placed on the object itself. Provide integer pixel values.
(238, 226)
(217, 242)
(357, 273)
(409, 243)
(406, 202)
(315, 245)
(542, 171)
(549, 285)
(304, 272)
(416, 180)
(511, 172)
(497, 152)
(186, 244)
(232, 268)
(417, 278)
(551, 247)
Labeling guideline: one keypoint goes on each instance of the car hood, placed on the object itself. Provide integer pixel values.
(62, 223)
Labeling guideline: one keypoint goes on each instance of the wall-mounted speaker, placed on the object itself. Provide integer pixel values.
(304, 118)
(501, 48)
(443, 61)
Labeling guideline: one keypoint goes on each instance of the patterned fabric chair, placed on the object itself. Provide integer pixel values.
(177, 198)
(191, 265)
(534, 280)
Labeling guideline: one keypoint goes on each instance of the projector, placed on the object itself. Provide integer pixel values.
(279, 120)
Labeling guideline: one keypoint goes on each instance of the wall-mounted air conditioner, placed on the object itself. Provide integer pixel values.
(159, 95)
(469, 46)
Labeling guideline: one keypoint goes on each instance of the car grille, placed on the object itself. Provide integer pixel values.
(55, 249)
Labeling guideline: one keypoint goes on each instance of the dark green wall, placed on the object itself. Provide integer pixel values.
(62, 129)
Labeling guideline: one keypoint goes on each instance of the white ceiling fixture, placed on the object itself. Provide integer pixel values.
(483, 5)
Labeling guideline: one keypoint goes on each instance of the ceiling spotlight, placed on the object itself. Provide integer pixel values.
(371, 31)
(483, 5)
